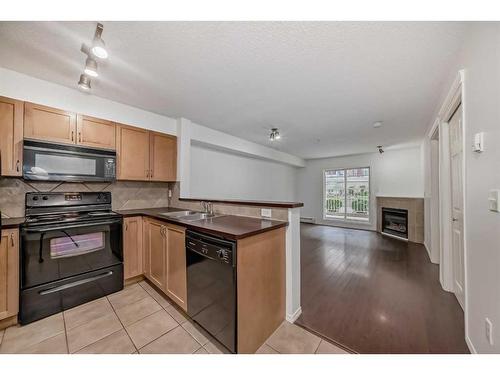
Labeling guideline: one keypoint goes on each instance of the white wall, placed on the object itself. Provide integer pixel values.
(220, 174)
(480, 57)
(394, 173)
(20, 86)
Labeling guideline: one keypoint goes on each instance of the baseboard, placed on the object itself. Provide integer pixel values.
(293, 317)
(469, 343)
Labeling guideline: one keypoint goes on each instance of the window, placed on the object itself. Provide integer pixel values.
(347, 194)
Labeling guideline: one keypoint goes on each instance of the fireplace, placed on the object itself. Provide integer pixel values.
(395, 222)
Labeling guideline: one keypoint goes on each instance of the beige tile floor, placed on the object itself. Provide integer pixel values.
(138, 319)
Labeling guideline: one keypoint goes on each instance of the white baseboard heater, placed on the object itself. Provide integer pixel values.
(309, 220)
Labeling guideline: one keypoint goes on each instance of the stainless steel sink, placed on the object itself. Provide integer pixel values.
(188, 215)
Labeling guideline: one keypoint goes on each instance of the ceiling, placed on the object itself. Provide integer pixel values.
(323, 84)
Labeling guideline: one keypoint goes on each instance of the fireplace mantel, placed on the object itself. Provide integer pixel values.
(415, 207)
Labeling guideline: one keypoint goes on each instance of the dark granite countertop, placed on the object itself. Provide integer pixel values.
(12, 222)
(227, 226)
(278, 204)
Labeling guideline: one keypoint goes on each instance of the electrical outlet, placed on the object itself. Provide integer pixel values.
(488, 330)
(265, 212)
(170, 193)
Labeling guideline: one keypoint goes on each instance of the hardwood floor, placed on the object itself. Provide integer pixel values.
(375, 294)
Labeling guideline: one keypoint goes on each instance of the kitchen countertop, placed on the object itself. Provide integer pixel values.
(278, 204)
(12, 222)
(227, 226)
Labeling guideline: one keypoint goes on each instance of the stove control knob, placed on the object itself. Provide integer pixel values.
(35, 198)
(45, 197)
(221, 254)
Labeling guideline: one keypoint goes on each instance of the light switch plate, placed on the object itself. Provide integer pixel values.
(478, 142)
(265, 212)
(494, 200)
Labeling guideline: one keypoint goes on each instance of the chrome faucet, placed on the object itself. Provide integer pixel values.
(208, 208)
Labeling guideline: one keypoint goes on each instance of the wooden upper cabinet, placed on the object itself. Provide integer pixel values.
(155, 252)
(176, 278)
(163, 157)
(9, 273)
(49, 124)
(132, 152)
(94, 132)
(132, 247)
(11, 136)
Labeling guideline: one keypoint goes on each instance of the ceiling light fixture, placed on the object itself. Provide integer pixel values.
(275, 134)
(91, 67)
(84, 82)
(98, 45)
(380, 149)
(377, 124)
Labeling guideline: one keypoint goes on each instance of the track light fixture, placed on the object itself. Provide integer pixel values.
(275, 134)
(380, 149)
(98, 46)
(84, 82)
(90, 67)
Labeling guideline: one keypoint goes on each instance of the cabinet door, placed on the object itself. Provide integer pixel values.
(155, 252)
(11, 136)
(9, 273)
(132, 247)
(94, 132)
(176, 265)
(132, 151)
(163, 157)
(49, 124)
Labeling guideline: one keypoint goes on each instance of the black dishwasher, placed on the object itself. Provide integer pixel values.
(211, 284)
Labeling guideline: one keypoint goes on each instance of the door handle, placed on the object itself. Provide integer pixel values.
(454, 219)
(17, 166)
(12, 239)
(72, 136)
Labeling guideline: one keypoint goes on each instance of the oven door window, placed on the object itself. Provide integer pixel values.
(79, 244)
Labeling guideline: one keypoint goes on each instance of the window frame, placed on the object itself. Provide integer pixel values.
(345, 219)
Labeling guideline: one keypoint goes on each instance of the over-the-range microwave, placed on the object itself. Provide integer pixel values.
(45, 161)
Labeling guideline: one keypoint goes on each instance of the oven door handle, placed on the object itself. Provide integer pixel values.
(75, 283)
(51, 228)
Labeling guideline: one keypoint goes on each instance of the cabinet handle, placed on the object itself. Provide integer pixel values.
(17, 166)
(147, 173)
(79, 136)
(12, 239)
(72, 136)
(126, 226)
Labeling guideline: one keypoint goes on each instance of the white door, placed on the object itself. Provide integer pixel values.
(457, 240)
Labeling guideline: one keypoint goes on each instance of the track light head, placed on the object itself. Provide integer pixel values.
(91, 67)
(98, 48)
(275, 134)
(380, 149)
(84, 82)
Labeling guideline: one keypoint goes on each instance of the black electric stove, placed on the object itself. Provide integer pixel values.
(71, 252)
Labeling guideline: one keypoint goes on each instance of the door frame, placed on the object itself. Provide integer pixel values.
(456, 96)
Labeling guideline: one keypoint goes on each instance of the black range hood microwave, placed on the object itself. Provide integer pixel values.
(45, 161)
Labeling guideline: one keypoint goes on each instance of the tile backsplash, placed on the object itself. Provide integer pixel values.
(125, 194)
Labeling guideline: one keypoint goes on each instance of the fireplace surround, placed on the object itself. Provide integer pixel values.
(415, 208)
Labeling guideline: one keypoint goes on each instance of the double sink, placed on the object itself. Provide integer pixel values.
(188, 215)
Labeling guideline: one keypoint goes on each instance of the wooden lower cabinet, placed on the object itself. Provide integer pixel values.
(155, 252)
(9, 273)
(165, 259)
(261, 288)
(133, 254)
(176, 265)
